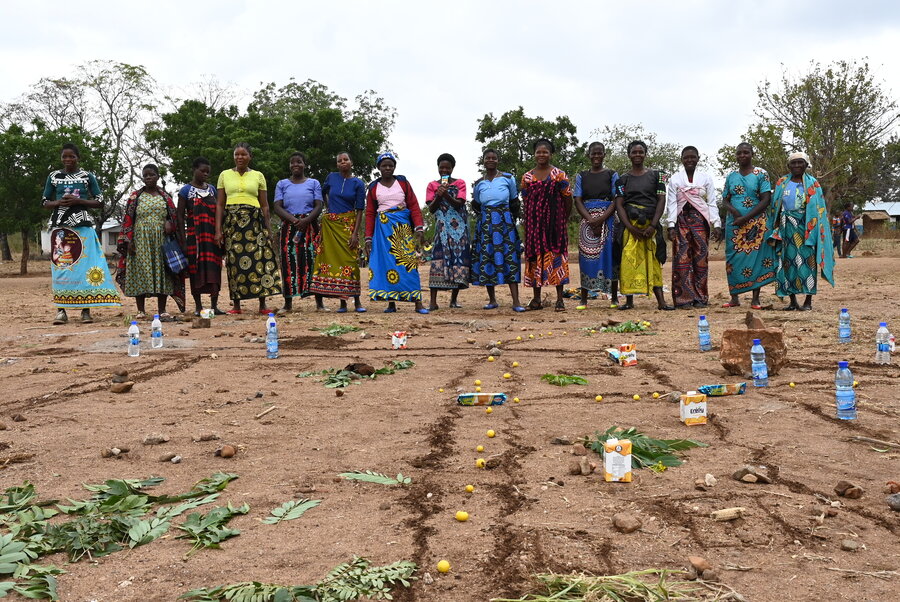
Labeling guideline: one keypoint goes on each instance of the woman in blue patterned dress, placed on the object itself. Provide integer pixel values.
(446, 200)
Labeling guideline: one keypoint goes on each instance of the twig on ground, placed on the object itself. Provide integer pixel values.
(266, 411)
(884, 575)
(874, 441)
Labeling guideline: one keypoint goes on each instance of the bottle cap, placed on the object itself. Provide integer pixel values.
(271, 314)
(156, 316)
(756, 342)
(134, 322)
(844, 310)
(883, 324)
(843, 365)
(702, 317)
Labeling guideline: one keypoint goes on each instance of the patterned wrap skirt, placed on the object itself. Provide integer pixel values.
(336, 271)
(796, 272)
(394, 263)
(252, 267)
(497, 249)
(80, 275)
(298, 257)
(595, 251)
(451, 256)
(690, 265)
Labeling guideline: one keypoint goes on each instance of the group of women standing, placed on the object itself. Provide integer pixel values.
(783, 237)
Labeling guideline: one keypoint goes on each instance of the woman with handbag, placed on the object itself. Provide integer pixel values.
(150, 218)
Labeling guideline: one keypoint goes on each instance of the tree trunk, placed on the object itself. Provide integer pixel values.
(26, 250)
(5, 252)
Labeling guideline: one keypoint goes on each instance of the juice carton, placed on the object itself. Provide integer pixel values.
(627, 354)
(398, 340)
(617, 461)
(481, 399)
(693, 408)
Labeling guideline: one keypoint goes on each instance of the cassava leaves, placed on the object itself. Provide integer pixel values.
(290, 510)
(376, 477)
(646, 452)
(562, 380)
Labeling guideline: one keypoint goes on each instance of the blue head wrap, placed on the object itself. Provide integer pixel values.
(383, 156)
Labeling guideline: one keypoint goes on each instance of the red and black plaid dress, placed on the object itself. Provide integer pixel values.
(204, 255)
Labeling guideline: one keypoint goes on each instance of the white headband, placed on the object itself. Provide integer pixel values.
(799, 155)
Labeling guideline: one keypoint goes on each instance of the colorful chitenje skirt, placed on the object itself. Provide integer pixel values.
(641, 269)
(298, 257)
(393, 264)
(595, 251)
(451, 258)
(336, 271)
(81, 278)
(690, 266)
(252, 270)
(749, 260)
(496, 256)
(204, 255)
(797, 270)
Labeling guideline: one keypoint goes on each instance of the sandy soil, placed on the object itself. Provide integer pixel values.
(521, 523)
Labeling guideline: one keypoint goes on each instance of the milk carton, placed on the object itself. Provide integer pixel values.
(398, 340)
(693, 408)
(617, 461)
(627, 354)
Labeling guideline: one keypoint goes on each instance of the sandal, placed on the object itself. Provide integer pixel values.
(791, 308)
(360, 310)
(491, 306)
(218, 312)
(730, 304)
(665, 308)
(86, 317)
(341, 310)
(756, 307)
(560, 306)
(140, 316)
(581, 307)
(535, 305)
(166, 317)
(266, 311)
(518, 308)
(423, 311)
(390, 310)
(61, 318)
(625, 307)
(455, 306)
(234, 312)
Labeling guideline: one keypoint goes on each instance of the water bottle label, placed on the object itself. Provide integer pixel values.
(760, 372)
(135, 341)
(156, 334)
(884, 347)
(844, 332)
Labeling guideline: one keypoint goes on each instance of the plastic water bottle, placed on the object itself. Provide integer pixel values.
(844, 395)
(156, 337)
(271, 338)
(703, 334)
(758, 365)
(883, 344)
(134, 339)
(844, 326)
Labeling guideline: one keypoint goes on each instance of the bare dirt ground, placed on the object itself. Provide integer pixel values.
(528, 515)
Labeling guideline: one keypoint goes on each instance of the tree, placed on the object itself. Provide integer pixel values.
(26, 158)
(110, 101)
(887, 187)
(513, 134)
(839, 115)
(303, 117)
(616, 137)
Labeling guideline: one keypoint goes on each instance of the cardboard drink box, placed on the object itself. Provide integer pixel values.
(617, 461)
(693, 408)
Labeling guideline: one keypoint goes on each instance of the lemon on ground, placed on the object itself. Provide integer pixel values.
(655, 395)
(550, 333)
(440, 390)
(478, 389)
(477, 382)
(490, 358)
(489, 410)
(480, 463)
(443, 566)
(480, 448)
(792, 385)
(598, 398)
(855, 382)
(470, 488)
(593, 331)
(462, 516)
(531, 336)
(507, 375)
(491, 433)
(515, 400)
(515, 364)
(518, 338)
(636, 397)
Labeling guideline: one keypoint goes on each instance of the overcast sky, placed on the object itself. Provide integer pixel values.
(687, 70)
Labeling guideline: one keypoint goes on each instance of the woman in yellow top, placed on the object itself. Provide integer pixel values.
(243, 228)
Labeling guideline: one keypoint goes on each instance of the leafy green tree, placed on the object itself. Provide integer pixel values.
(616, 137)
(513, 134)
(26, 158)
(840, 115)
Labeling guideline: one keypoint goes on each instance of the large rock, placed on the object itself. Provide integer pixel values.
(736, 343)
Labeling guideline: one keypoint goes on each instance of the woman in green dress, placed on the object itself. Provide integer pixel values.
(802, 234)
(150, 216)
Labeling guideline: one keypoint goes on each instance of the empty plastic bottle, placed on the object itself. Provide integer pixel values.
(156, 336)
(271, 338)
(703, 334)
(882, 344)
(134, 339)
(844, 332)
(844, 395)
(758, 365)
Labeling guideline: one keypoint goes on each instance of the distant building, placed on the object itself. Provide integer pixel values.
(878, 216)
(108, 236)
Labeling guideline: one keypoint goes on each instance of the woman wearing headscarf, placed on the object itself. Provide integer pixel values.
(197, 223)
(802, 234)
(244, 229)
(547, 202)
(392, 217)
(692, 211)
(150, 216)
(594, 192)
(336, 272)
(640, 200)
(298, 202)
(80, 276)
(446, 200)
(749, 262)
(496, 248)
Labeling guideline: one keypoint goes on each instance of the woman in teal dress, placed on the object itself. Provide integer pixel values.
(749, 262)
(802, 234)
